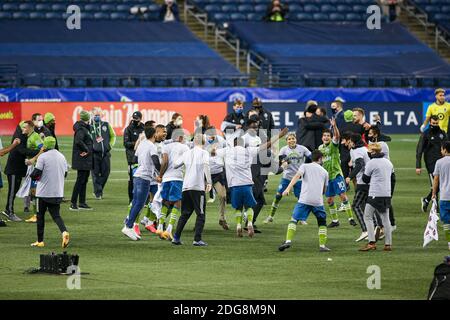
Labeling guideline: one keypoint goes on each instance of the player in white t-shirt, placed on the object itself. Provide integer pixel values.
(172, 183)
(314, 184)
(294, 155)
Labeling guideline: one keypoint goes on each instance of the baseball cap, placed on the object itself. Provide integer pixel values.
(339, 99)
(137, 115)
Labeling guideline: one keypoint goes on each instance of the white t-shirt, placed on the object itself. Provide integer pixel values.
(54, 167)
(314, 181)
(296, 158)
(146, 167)
(251, 140)
(360, 153)
(194, 161)
(442, 169)
(174, 152)
(216, 163)
(379, 170)
(238, 161)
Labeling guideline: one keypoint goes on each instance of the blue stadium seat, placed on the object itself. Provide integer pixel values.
(260, 8)
(123, 8)
(37, 15)
(225, 82)
(328, 8)
(331, 82)
(346, 82)
(48, 82)
(10, 7)
(26, 7)
(304, 16)
(107, 7)
(91, 7)
(395, 82)
(237, 16)
(20, 15)
(31, 80)
(432, 9)
(379, 82)
(87, 15)
(367, 2)
(208, 83)
(242, 82)
(221, 17)
(63, 83)
(229, 8)
(441, 17)
(255, 16)
(295, 8)
(359, 8)
(112, 82)
(336, 16)
(43, 7)
(79, 82)
(311, 8)
(245, 8)
(192, 83)
(176, 82)
(212, 8)
(160, 82)
(353, 17)
(154, 8)
(59, 7)
(5, 15)
(411, 82)
(145, 83)
(128, 82)
(260, 2)
(438, 2)
(314, 82)
(362, 82)
(344, 8)
(427, 82)
(319, 16)
(446, 9)
(118, 15)
(96, 82)
(443, 82)
(101, 15)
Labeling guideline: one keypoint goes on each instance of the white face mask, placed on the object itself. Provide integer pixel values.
(178, 122)
(38, 123)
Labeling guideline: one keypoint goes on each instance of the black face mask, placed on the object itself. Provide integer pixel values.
(434, 128)
(135, 122)
(372, 139)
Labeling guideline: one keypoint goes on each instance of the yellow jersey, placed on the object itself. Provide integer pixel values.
(443, 113)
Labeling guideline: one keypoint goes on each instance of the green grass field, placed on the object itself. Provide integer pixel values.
(229, 268)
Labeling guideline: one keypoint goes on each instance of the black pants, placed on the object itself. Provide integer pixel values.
(258, 190)
(391, 208)
(79, 189)
(13, 186)
(191, 201)
(130, 183)
(53, 207)
(100, 173)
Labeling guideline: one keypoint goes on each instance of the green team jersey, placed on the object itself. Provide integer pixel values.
(331, 159)
(34, 141)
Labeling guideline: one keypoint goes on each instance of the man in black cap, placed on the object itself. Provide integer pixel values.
(131, 135)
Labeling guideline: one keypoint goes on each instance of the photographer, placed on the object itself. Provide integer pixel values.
(169, 11)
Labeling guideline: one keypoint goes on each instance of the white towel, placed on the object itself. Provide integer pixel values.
(24, 190)
(431, 231)
(156, 204)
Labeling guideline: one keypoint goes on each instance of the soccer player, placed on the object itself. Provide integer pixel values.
(148, 161)
(295, 155)
(49, 172)
(172, 183)
(378, 174)
(440, 108)
(314, 184)
(359, 158)
(130, 136)
(336, 185)
(429, 146)
(442, 182)
(196, 163)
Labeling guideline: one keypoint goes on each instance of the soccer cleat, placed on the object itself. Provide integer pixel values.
(151, 228)
(352, 222)
(11, 217)
(159, 232)
(65, 239)
(387, 247)
(73, 207)
(212, 199)
(176, 242)
(424, 203)
(136, 229)
(239, 231)
(269, 219)
(96, 197)
(377, 233)
(6, 214)
(167, 235)
(32, 219)
(284, 246)
(129, 232)
(324, 249)
(362, 237)
(38, 244)
(250, 231)
(224, 224)
(84, 206)
(341, 207)
(369, 247)
(334, 224)
(303, 222)
(200, 243)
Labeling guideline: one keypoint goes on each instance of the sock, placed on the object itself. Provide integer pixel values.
(250, 216)
(164, 213)
(292, 227)
(447, 233)
(150, 214)
(333, 212)
(323, 236)
(275, 203)
(238, 216)
(348, 210)
(173, 218)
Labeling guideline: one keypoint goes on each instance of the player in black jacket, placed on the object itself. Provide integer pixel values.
(429, 146)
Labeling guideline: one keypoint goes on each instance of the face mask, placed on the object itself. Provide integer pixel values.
(238, 111)
(39, 123)
(333, 111)
(178, 122)
(97, 118)
(434, 128)
(135, 122)
(372, 139)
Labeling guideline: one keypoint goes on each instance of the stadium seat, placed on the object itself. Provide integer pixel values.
(311, 8)
(443, 82)
(79, 82)
(123, 8)
(432, 9)
(245, 8)
(37, 15)
(229, 8)
(344, 8)
(427, 82)
(260, 8)
(237, 16)
(10, 7)
(160, 82)
(145, 82)
(96, 82)
(129, 82)
(26, 7)
(5, 15)
(92, 7)
(221, 17)
(440, 17)
(43, 7)
(154, 8)
(225, 82)
(331, 82)
(87, 15)
(395, 82)
(59, 7)
(208, 83)
(328, 8)
(319, 16)
(118, 15)
(295, 8)
(314, 82)
(255, 16)
(176, 82)
(192, 83)
(304, 16)
(353, 17)
(107, 7)
(48, 82)
(63, 83)
(112, 82)
(379, 82)
(101, 15)
(212, 8)
(357, 8)
(411, 82)
(335, 16)
(20, 15)
(362, 82)
(446, 9)
(346, 82)
(31, 80)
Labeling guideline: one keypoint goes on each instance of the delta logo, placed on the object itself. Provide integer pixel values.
(9, 115)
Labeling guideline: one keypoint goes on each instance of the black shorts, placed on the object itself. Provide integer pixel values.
(219, 177)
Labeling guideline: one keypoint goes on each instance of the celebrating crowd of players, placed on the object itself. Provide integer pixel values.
(171, 173)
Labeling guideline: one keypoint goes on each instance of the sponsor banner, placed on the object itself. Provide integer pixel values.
(396, 117)
(118, 114)
(10, 116)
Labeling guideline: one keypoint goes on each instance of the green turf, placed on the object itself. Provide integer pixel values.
(230, 268)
